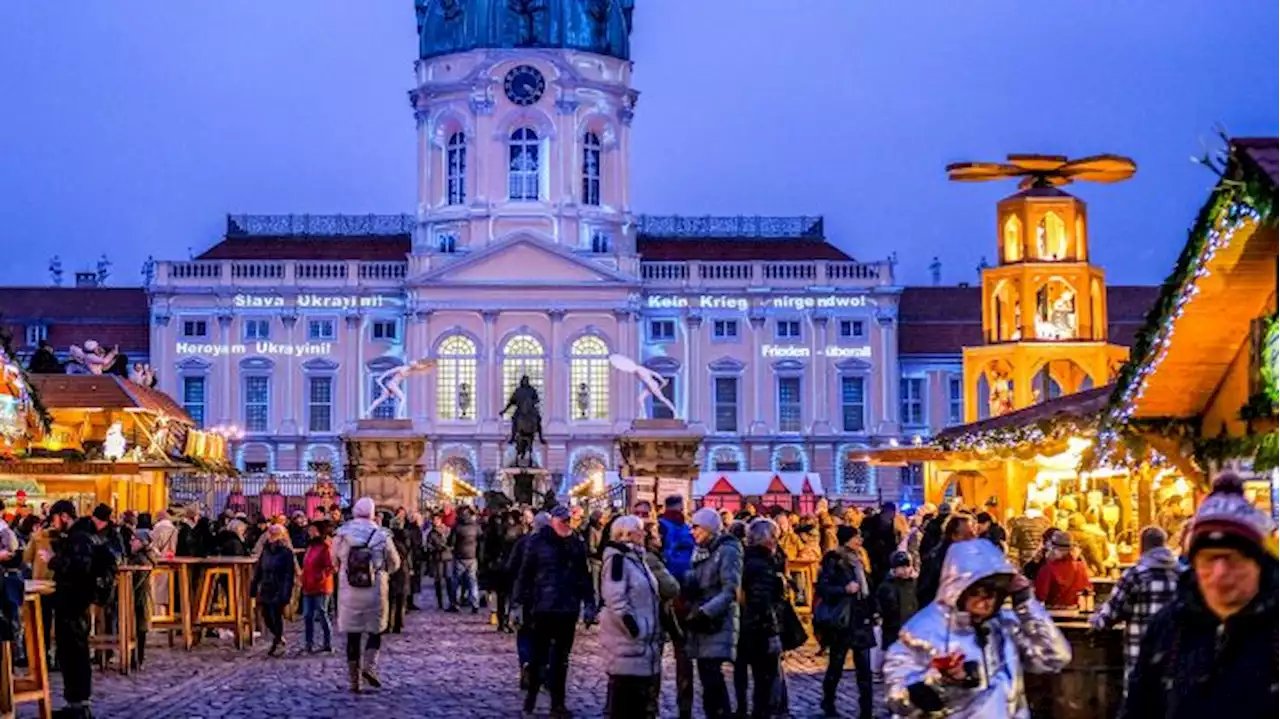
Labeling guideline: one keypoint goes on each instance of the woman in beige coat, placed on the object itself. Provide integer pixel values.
(363, 608)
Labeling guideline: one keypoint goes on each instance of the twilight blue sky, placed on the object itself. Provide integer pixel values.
(135, 125)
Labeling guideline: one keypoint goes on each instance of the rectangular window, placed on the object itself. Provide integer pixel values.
(658, 410)
(388, 409)
(727, 466)
(456, 158)
(257, 329)
(195, 328)
(955, 397)
(912, 401)
(789, 417)
(853, 403)
(320, 404)
(852, 329)
(36, 334)
(385, 330)
(591, 169)
(255, 467)
(193, 398)
(320, 330)
(257, 398)
(662, 330)
(787, 330)
(724, 329)
(447, 242)
(726, 404)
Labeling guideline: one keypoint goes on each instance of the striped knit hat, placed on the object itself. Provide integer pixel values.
(1227, 519)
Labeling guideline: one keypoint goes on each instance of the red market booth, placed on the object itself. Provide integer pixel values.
(795, 491)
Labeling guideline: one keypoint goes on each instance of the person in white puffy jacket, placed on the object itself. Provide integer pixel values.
(630, 633)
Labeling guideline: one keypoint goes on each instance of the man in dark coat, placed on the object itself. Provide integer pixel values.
(959, 527)
(464, 542)
(554, 587)
(72, 564)
(45, 360)
(416, 559)
(1214, 649)
(880, 539)
(842, 579)
(932, 534)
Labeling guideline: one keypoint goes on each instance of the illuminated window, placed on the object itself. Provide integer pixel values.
(1012, 239)
(1051, 237)
(789, 404)
(591, 169)
(193, 398)
(788, 459)
(522, 355)
(853, 403)
(320, 404)
(457, 168)
(726, 404)
(257, 329)
(589, 378)
(522, 172)
(855, 477)
(588, 467)
(456, 378)
(725, 459)
(257, 398)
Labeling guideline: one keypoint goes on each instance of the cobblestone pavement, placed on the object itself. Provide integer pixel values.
(442, 665)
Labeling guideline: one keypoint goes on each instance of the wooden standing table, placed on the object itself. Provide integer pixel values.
(34, 685)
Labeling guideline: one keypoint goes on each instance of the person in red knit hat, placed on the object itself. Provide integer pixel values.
(1063, 577)
(1217, 646)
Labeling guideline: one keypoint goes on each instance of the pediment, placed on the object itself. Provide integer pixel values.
(525, 261)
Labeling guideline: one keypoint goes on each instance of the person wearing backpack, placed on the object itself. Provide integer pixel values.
(365, 557)
(677, 554)
(75, 562)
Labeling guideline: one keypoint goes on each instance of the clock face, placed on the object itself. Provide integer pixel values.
(524, 85)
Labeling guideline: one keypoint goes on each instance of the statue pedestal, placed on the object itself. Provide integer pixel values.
(526, 486)
(659, 459)
(384, 462)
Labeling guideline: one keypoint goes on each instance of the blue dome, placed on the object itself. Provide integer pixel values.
(599, 26)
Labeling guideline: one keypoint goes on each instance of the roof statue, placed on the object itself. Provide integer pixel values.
(598, 26)
(1038, 171)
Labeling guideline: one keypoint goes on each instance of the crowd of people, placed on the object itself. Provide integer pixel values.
(947, 609)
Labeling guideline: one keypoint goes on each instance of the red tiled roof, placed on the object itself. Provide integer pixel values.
(373, 248)
(1263, 151)
(59, 391)
(1080, 404)
(36, 304)
(945, 320)
(736, 249)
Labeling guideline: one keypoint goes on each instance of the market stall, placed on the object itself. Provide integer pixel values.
(795, 491)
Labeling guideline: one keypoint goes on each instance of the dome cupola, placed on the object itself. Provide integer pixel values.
(597, 26)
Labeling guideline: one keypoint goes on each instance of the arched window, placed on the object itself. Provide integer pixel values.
(589, 378)
(522, 177)
(456, 378)
(589, 467)
(457, 168)
(1012, 239)
(789, 458)
(855, 477)
(455, 471)
(1051, 237)
(591, 169)
(1081, 255)
(522, 355)
(725, 459)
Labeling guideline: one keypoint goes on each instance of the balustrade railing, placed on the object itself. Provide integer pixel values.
(383, 270)
(257, 270)
(320, 271)
(766, 273)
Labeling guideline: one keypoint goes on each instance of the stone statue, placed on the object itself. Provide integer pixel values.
(93, 359)
(391, 380)
(526, 422)
(149, 271)
(55, 270)
(464, 400)
(652, 381)
(103, 270)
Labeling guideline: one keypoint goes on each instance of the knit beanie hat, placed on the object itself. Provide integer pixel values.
(844, 533)
(708, 519)
(102, 513)
(1227, 520)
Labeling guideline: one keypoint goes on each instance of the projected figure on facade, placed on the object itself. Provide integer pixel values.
(391, 380)
(652, 381)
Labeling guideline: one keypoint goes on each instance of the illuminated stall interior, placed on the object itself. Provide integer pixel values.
(1034, 456)
(108, 440)
(1203, 377)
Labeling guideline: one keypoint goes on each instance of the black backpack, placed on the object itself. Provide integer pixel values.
(360, 569)
(102, 571)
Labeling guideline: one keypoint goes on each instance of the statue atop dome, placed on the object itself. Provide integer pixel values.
(598, 26)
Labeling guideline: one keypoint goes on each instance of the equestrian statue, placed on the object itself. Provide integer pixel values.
(526, 422)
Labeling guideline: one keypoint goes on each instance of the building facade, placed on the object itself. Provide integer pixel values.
(524, 257)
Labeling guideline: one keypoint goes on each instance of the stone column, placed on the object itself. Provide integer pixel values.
(555, 390)
(758, 425)
(417, 345)
(490, 396)
(890, 374)
(821, 376)
(229, 392)
(354, 355)
(289, 375)
(624, 399)
(694, 392)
